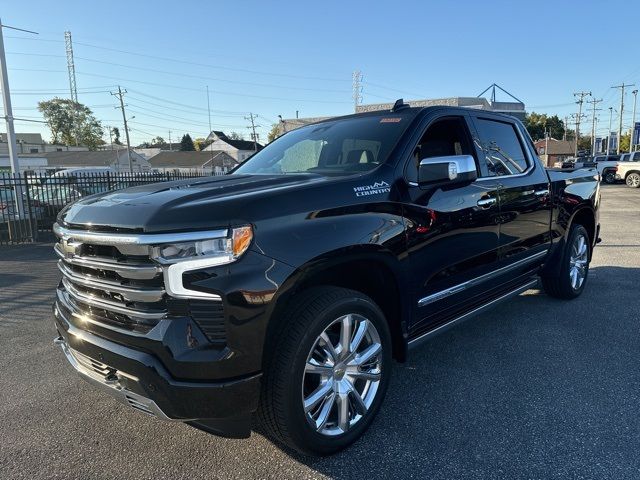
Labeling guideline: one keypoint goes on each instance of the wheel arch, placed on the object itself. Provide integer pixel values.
(584, 215)
(367, 269)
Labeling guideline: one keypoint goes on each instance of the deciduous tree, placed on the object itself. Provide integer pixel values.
(71, 122)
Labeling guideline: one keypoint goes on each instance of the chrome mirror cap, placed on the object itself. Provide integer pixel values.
(447, 170)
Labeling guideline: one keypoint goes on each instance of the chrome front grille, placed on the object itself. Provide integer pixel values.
(117, 285)
(111, 280)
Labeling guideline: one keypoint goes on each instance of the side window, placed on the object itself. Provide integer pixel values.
(501, 146)
(445, 137)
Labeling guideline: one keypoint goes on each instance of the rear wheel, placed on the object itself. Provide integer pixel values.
(609, 177)
(574, 267)
(328, 371)
(633, 180)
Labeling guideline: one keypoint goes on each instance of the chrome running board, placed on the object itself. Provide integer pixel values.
(476, 311)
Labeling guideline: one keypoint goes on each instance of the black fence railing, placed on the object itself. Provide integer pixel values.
(29, 204)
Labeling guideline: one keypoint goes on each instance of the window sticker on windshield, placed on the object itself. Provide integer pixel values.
(390, 119)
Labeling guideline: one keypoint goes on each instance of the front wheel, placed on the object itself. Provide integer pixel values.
(574, 266)
(633, 180)
(328, 371)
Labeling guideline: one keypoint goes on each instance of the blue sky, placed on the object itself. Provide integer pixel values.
(273, 58)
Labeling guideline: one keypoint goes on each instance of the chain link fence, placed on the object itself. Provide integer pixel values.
(30, 203)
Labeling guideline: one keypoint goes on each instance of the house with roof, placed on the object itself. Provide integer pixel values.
(238, 149)
(117, 160)
(209, 162)
(552, 151)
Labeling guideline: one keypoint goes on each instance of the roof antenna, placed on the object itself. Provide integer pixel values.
(398, 105)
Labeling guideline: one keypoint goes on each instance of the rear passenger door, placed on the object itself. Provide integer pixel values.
(523, 189)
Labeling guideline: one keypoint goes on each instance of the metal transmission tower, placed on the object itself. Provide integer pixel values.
(593, 102)
(580, 96)
(71, 66)
(357, 89)
(621, 87)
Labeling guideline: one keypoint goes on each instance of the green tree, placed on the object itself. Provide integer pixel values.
(585, 143)
(536, 123)
(201, 143)
(70, 121)
(235, 136)
(625, 140)
(116, 135)
(186, 144)
(273, 133)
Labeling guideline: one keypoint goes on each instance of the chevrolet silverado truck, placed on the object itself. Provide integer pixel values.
(285, 290)
(629, 170)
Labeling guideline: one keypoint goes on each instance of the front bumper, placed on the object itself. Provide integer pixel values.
(136, 378)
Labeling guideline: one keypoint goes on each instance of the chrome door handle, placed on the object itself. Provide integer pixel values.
(541, 193)
(487, 202)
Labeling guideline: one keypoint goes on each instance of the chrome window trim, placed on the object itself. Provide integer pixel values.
(434, 297)
(106, 238)
(523, 145)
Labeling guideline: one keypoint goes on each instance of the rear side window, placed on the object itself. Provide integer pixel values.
(501, 147)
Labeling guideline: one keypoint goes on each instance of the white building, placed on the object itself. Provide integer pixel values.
(115, 159)
(240, 150)
(33, 143)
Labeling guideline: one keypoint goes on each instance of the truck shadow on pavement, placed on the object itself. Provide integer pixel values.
(537, 387)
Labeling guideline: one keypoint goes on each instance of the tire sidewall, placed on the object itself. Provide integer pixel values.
(299, 428)
(629, 182)
(576, 230)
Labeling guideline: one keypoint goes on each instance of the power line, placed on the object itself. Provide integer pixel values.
(202, 77)
(621, 87)
(220, 67)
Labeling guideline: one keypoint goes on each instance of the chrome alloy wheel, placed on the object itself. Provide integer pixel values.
(342, 375)
(578, 262)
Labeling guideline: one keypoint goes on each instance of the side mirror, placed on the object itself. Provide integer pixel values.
(451, 170)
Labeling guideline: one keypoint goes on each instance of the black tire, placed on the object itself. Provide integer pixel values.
(561, 286)
(609, 177)
(281, 411)
(633, 180)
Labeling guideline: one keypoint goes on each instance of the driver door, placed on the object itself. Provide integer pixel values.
(452, 233)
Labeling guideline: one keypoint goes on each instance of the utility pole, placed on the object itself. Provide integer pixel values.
(566, 122)
(209, 109)
(120, 94)
(633, 122)
(609, 132)
(8, 116)
(580, 96)
(593, 102)
(170, 146)
(621, 87)
(357, 89)
(251, 118)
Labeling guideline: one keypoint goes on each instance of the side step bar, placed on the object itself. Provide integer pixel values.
(476, 311)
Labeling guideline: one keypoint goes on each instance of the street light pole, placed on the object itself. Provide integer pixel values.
(609, 133)
(633, 121)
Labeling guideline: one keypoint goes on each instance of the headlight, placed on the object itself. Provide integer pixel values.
(180, 258)
(230, 247)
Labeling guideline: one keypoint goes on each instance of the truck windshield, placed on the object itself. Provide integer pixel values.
(340, 147)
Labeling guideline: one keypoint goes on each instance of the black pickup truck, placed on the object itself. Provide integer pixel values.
(286, 289)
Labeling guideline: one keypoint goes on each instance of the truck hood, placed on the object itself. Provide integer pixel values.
(193, 204)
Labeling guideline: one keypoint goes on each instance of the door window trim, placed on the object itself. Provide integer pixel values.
(527, 154)
(467, 124)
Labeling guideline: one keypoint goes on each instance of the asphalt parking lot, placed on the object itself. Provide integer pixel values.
(536, 388)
